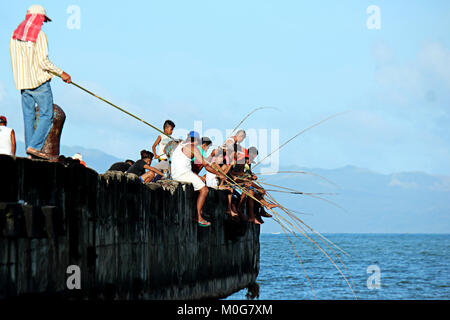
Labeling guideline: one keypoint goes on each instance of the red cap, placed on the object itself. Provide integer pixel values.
(3, 119)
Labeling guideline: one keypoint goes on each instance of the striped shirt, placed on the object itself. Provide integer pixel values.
(30, 64)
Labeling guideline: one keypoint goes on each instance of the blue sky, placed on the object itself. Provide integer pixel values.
(215, 61)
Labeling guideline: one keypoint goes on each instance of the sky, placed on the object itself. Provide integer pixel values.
(216, 61)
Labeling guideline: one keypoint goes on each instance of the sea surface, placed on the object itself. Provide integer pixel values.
(379, 266)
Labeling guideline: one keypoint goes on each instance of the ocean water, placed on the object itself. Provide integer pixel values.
(405, 266)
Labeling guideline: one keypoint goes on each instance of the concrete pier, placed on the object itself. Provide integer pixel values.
(129, 240)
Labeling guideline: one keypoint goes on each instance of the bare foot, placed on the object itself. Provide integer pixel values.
(259, 219)
(265, 214)
(254, 221)
(271, 205)
(37, 153)
(233, 214)
(242, 216)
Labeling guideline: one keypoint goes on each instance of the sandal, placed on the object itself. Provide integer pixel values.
(204, 223)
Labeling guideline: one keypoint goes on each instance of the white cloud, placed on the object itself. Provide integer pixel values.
(406, 185)
(435, 58)
(425, 78)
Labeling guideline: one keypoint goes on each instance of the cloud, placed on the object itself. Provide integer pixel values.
(435, 58)
(406, 185)
(423, 79)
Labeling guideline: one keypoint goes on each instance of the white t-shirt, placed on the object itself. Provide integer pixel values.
(162, 144)
(5, 140)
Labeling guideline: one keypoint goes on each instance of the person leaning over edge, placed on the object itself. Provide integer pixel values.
(32, 71)
(7, 138)
(182, 171)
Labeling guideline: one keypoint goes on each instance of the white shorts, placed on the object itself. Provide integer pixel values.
(192, 178)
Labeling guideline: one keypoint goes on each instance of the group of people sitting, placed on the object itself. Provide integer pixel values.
(227, 167)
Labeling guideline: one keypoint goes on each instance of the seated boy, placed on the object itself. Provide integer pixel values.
(138, 168)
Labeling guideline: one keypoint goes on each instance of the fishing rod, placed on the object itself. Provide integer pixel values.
(248, 115)
(118, 108)
(301, 132)
(300, 172)
(294, 191)
(320, 248)
(157, 129)
(298, 192)
(323, 239)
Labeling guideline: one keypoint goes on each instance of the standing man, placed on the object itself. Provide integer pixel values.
(32, 71)
(7, 138)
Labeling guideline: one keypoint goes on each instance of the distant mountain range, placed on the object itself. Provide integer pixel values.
(363, 201)
(95, 159)
(407, 202)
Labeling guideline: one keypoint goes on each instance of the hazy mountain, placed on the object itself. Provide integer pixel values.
(364, 201)
(95, 159)
(368, 201)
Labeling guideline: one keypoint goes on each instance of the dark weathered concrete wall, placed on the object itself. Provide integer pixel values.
(130, 240)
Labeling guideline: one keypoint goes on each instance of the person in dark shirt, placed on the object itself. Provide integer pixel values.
(121, 166)
(255, 208)
(138, 168)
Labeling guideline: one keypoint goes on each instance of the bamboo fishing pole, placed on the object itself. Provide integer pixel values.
(145, 122)
(323, 239)
(303, 233)
(300, 133)
(319, 247)
(300, 172)
(118, 108)
(248, 115)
